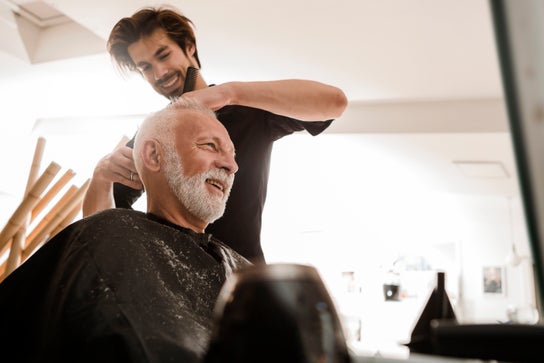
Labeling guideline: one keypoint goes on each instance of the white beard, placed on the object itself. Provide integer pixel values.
(192, 191)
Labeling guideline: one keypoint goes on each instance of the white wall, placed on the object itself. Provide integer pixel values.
(350, 203)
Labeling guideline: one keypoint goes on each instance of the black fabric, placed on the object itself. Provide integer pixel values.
(118, 286)
(253, 132)
(125, 196)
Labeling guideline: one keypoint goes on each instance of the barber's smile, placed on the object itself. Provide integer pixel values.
(170, 80)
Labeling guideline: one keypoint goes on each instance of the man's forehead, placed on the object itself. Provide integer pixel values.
(194, 123)
(158, 37)
(150, 45)
(190, 121)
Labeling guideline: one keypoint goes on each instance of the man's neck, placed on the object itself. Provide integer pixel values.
(180, 218)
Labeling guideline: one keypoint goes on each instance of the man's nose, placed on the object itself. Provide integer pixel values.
(159, 71)
(228, 163)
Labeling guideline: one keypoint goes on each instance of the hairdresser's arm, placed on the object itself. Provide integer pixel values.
(300, 99)
(115, 167)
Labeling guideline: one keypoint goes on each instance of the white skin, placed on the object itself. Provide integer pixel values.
(190, 189)
(197, 194)
(163, 64)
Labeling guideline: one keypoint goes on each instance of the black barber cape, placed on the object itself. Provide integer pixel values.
(118, 286)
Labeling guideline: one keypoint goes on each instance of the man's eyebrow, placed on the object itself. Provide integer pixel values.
(156, 54)
(160, 50)
(141, 64)
(218, 142)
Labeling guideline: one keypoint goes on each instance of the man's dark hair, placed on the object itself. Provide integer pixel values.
(143, 23)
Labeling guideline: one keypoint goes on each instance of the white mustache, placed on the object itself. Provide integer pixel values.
(221, 176)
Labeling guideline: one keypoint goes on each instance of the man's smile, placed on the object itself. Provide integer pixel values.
(170, 80)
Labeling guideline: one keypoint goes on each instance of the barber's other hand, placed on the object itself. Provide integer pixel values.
(118, 167)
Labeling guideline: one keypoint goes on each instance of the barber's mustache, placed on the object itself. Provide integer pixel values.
(167, 77)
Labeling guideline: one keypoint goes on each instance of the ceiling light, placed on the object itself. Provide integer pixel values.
(483, 169)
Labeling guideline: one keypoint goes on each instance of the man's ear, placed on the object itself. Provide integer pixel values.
(190, 48)
(151, 155)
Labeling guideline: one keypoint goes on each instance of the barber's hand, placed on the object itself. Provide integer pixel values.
(118, 167)
(214, 97)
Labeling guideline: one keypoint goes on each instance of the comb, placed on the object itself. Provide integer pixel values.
(190, 79)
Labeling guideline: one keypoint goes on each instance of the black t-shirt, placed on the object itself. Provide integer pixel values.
(253, 132)
(118, 286)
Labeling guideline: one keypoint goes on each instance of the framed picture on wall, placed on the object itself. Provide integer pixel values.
(493, 280)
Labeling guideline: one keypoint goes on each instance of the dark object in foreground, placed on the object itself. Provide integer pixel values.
(276, 313)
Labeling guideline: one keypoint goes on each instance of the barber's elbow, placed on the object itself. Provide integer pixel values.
(339, 102)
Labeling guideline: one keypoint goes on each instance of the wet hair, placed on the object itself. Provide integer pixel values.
(142, 24)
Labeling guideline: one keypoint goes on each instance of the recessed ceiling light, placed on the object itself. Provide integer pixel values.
(483, 169)
(39, 13)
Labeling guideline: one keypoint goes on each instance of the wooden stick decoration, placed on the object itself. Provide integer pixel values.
(36, 164)
(61, 214)
(6, 247)
(16, 250)
(29, 201)
(3, 273)
(46, 220)
(18, 240)
(52, 192)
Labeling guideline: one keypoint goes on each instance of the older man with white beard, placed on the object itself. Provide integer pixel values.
(127, 286)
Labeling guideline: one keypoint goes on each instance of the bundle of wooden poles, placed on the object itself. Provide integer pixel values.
(18, 240)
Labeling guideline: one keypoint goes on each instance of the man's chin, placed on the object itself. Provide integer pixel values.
(218, 212)
(174, 94)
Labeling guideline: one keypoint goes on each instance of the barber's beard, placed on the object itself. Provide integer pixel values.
(192, 191)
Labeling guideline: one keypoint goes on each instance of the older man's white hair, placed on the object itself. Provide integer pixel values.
(160, 125)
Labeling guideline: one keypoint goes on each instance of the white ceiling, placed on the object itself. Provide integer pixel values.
(375, 50)
(408, 67)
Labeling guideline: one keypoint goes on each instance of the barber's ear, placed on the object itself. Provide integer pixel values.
(190, 49)
(151, 155)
